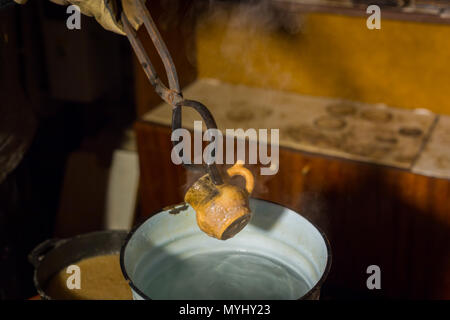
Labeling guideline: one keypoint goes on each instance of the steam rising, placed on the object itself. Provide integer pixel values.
(259, 18)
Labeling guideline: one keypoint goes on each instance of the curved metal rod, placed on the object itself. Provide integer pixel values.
(211, 168)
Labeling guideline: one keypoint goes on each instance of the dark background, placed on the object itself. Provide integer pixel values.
(90, 96)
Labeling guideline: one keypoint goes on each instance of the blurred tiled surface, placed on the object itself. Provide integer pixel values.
(434, 160)
(372, 133)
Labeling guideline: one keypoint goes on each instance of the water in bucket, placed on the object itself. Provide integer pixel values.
(220, 275)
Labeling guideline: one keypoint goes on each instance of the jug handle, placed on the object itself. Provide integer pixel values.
(239, 169)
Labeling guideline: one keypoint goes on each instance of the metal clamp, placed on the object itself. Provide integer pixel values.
(171, 95)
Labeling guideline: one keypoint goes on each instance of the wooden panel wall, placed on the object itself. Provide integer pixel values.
(372, 214)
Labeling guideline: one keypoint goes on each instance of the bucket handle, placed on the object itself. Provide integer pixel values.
(38, 253)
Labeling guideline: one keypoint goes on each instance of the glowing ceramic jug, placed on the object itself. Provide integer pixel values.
(222, 210)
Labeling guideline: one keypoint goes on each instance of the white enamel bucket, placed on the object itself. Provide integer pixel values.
(278, 255)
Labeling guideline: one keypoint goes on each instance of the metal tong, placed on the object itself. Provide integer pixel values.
(171, 95)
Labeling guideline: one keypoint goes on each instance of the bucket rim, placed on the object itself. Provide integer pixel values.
(306, 296)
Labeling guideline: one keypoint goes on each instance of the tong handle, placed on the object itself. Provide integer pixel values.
(160, 47)
(171, 95)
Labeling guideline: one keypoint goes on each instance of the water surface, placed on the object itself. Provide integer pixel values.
(219, 275)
